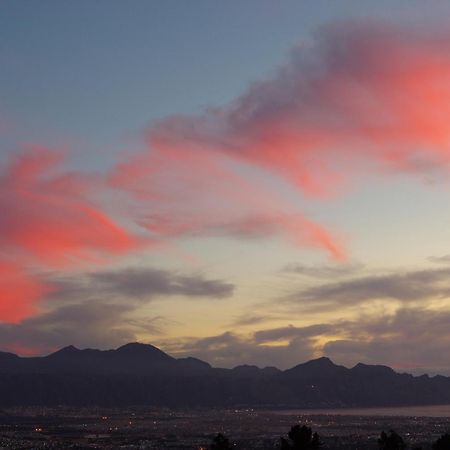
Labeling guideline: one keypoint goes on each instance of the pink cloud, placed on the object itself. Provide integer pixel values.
(48, 222)
(297, 229)
(26, 350)
(50, 217)
(20, 292)
(182, 190)
(361, 98)
(362, 95)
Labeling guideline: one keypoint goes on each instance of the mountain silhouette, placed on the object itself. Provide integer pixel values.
(142, 374)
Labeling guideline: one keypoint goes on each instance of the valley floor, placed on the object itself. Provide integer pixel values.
(138, 428)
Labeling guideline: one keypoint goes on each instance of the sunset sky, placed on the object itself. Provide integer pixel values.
(254, 182)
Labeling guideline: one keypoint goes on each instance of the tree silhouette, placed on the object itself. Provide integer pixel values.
(443, 443)
(220, 442)
(284, 444)
(391, 441)
(316, 442)
(301, 438)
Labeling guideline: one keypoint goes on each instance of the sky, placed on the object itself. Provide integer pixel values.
(248, 182)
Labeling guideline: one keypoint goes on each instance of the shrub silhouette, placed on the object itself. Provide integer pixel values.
(391, 441)
(220, 442)
(443, 443)
(301, 438)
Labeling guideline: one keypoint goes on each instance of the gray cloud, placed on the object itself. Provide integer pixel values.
(251, 318)
(97, 324)
(251, 226)
(412, 339)
(404, 287)
(148, 283)
(99, 309)
(290, 332)
(230, 349)
(445, 259)
(323, 271)
(141, 284)
(246, 320)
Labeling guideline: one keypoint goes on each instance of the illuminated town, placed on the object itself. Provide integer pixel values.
(40, 428)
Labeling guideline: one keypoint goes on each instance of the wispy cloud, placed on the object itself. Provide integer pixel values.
(185, 191)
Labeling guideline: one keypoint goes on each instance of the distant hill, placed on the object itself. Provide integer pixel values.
(141, 374)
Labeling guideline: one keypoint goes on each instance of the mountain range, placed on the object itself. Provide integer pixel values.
(141, 374)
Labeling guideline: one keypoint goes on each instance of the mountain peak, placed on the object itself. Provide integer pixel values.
(246, 367)
(135, 346)
(142, 350)
(319, 367)
(68, 350)
(323, 361)
(8, 355)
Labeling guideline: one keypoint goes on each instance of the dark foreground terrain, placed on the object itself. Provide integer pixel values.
(58, 428)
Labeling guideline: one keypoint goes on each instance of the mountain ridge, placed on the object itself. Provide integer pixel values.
(142, 349)
(142, 374)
